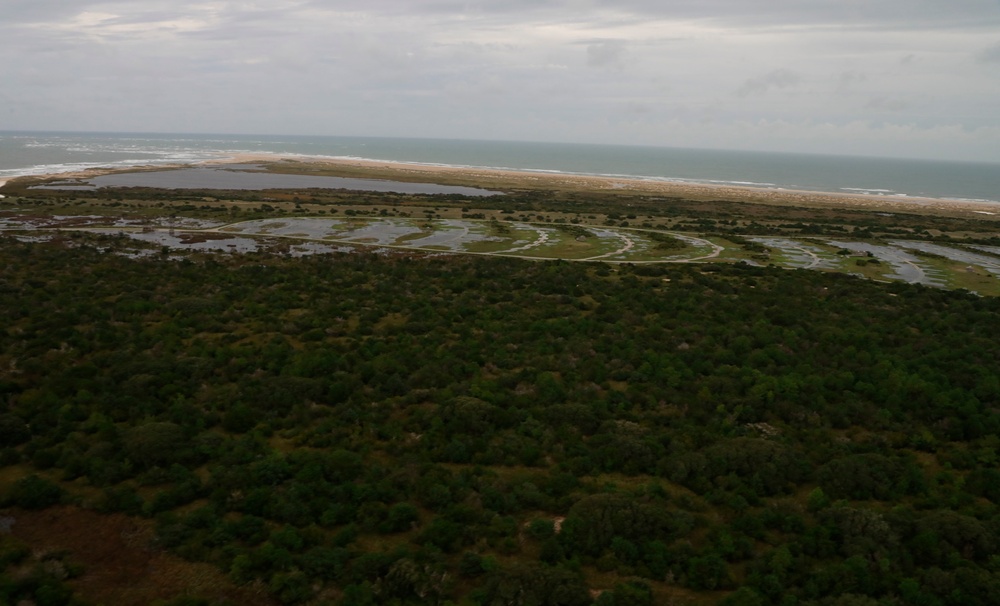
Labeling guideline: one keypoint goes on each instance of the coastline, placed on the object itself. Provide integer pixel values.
(494, 178)
(506, 178)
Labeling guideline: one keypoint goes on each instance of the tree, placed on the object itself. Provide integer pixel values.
(595, 521)
(533, 585)
(632, 593)
(34, 492)
(863, 476)
(155, 443)
(744, 596)
(708, 572)
(13, 430)
(400, 517)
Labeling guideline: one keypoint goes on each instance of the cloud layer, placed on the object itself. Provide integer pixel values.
(897, 77)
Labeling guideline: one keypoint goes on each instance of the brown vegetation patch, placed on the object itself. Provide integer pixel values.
(197, 238)
(29, 221)
(121, 563)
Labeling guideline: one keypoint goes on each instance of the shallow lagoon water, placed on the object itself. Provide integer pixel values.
(33, 239)
(299, 236)
(993, 250)
(801, 255)
(604, 233)
(907, 267)
(698, 243)
(231, 244)
(302, 228)
(619, 242)
(454, 236)
(452, 239)
(543, 236)
(305, 249)
(382, 232)
(187, 223)
(229, 179)
(990, 264)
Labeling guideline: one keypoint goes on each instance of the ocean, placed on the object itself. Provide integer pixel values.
(33, 153)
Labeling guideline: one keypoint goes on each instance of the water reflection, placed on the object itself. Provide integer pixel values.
(244, 177)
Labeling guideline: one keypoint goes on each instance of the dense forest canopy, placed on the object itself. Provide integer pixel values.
(401, 429)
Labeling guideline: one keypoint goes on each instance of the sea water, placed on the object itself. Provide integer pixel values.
(32, 153)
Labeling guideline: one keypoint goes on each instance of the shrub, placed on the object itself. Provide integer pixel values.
(34, 492)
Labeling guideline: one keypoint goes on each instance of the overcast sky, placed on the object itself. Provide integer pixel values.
(912, 78)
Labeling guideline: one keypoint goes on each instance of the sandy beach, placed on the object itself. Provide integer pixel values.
(500, 179)
(518, 180)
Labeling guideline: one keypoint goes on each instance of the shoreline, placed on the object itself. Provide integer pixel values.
(500, 178)
(543, 179)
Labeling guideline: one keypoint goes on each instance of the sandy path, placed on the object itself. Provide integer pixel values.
(465, 232)
(716, 249)
(543, 237)
(693, 241)
(815, 258)
(628, 246)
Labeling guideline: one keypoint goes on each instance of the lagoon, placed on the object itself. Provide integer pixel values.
(245, 177)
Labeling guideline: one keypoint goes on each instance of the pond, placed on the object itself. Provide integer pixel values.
(907, 267)
(246, 177)
(990, 264)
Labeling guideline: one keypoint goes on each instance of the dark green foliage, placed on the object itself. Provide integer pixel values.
(633, 593)
(39, 579)
(744, 596)
(536, 585)
(186, 601)
(34, 492)
(389, 429)
(541, 529)
(13, 430)
(400, 517)
(863, 476)
(768, 467)
(708, 572)
(123, 499)
(239, 418)
(156, 443)
(595, 522)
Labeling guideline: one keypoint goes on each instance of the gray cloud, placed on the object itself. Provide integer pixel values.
(607, 54)
(779, 78)
(990, 55)
(886, 14)
(850, 79)
(887, 104)
(518, 69)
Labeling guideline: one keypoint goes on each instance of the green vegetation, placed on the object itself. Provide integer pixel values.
(665, 241)
(395, 428)
(29, 578)
(392, 428)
